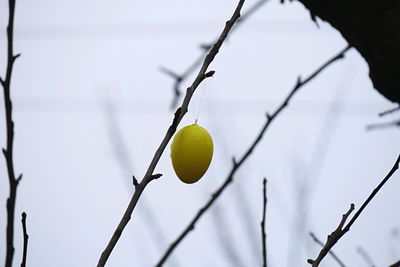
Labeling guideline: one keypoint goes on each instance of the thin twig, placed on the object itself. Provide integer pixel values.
(263, 233)
(8, 151)
(26, 237)
(337, 259)
(365, 255)
(334, 237)
(180, 112)
(386, 112)
(180, 78)
(383, 125)
(237, 164)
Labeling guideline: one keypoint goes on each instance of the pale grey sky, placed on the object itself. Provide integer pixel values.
(75, 54)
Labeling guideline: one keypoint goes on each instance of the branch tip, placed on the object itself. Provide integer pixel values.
(386, 112)
(26, 238)
(135, 181)
(19, 178)
(234, 162)
(156, 176)
(263, 231)
(205, 47)
(298, 82)
(341, 230)
(209, 74)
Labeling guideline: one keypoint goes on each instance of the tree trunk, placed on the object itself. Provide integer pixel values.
(373, 28)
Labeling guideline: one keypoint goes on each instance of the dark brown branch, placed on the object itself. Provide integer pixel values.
(8, 151)
(263, 233)
(372, 27)
(180, 78)
(396, 264)
(180, 112)
(366, 257)
(135, 181)
(331, 238)
(155, 176)
(237, 164)
(337, 259)
(26, 237)
(334, 237)
(124, 159)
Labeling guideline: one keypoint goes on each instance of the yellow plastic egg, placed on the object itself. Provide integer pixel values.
(191, 153)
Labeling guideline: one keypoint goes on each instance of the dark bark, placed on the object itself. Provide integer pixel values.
(373, 28)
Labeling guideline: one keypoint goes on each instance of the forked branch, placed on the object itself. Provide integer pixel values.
(396, 264)
(8, 150)
(236, 164)
(334, 256)
(343, 228)
(180, 112)
(180, 78)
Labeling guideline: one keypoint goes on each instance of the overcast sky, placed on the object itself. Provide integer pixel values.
(91, 106)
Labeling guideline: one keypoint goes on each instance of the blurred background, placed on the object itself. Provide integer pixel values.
(91, 106)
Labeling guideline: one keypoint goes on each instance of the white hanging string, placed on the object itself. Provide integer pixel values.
(200, 103)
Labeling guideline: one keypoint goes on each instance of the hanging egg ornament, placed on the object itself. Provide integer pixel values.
(191, 153)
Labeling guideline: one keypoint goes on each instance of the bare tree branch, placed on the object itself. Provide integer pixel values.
(237, 164)
(180, 112)
(124, 157)
(26, 237)
(366, 257)
(395, 123)
(180, 78)
(396, 264)
(327, 247)
(384, 113)
(8, 151)
(341, 230)
(337, 259)
(263, 233)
